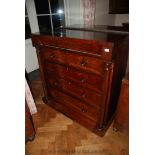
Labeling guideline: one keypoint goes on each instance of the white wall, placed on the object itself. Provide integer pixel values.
(73, 12)
(102, 16)
(31, 62)
(121, 18)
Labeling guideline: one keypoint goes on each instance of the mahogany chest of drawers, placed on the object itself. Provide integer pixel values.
(81, 75)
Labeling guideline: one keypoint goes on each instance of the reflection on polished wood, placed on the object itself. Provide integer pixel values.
(57, 134)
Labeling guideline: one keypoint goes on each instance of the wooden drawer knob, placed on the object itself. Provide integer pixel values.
(52, 56)
(83, 80)
(84, 62)
(67, 68)
(83, 110)
(69, 83)
(51, 70)
(83, 95)
(55, 83)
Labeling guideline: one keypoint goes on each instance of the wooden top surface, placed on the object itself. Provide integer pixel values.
(101, 33)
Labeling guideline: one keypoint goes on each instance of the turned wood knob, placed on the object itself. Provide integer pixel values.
(52, 70)
(83, 80)
(83, 95)
(55, 83)
(83, 110)
(84, 62)
(69, 83)
(52, 56)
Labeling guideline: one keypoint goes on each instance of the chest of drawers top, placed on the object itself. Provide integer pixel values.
(90, 48)
(95, 44)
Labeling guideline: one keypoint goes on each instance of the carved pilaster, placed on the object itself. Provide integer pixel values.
(108, 72)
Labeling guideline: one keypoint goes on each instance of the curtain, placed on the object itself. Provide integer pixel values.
(89, 12)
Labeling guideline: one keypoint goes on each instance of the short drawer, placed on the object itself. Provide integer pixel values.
(79, 61)
(72, 88)
(74, 104)
(90, 81)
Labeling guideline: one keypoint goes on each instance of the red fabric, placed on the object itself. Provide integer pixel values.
(89, 12)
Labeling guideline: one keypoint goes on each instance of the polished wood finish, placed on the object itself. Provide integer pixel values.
(72, 59)
(70, 70)
(72, 88)
(90, 81)
(29, 128)
(83, 109)
(121, 122)
(119, 6)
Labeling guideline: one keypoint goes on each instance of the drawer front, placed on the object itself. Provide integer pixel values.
(90, 81)
(72, 113)
(74, 104)
(70, 87)
(86, 63)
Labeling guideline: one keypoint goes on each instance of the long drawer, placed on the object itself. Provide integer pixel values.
(83, 62)
(70, 87)
(75, 115)
(89, 81)
(74, 104)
